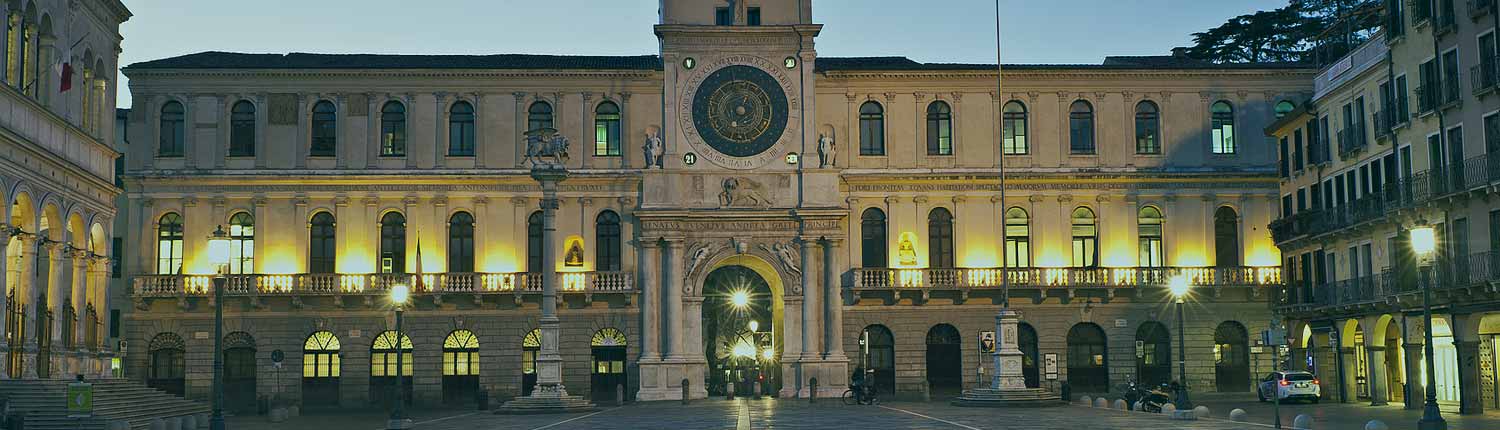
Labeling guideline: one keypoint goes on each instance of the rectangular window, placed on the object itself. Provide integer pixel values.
(1328, 199)
(1455, 146)
(1299, 155)
(1339, 190)
(1364, 183)
(1460, 242)
(114, 323)
(116, 246)
(1450, 76)
(1492, 138)
(1325, 144)
(607, 134)
(1361, 122)
(723, 16)
(1354, 263)
(1403, 106)
(1301, 199)
(1286, 206)
(1428, 86)
(1286, 159)
(1494, 234)
(752, 16)
(1315, 194)
(1486, 76)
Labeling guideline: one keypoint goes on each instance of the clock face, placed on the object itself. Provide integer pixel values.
(740, 111)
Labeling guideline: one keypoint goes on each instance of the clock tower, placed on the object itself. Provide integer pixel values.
(740, 189)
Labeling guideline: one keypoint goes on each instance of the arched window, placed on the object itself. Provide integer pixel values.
(324, 130)
(168, 363)
(1284, 107)
(385, 373)
(944, 358)
(1081, 128)
(393, 129)
(320, 369)
(607, 351)
(531, 345)
(173, 130)
(393, 243)
(1147, 128)
(872, 240)
(1085, 238)
(1226, 237)
(539, 116)
(939, 128)
(242, 129)
(461, 130)
(534, 242)
(1017, 238)
(242, 244)
(940, 239)
(1149, 227)
(607, 130)
(1232, 357)
(461, 243)
(871, 129)
(1013, 124)
(321, 250)
(1154, 360)
(460, 367)
(1223, 128)
(607, 241)
(169, 244)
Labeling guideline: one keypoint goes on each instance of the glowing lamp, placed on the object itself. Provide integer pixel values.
(767, 355)
(218, 250)
(740, 299)
(1423, 241)
(1179, 286)
(400, 293)
(744, 350)
(754, 326)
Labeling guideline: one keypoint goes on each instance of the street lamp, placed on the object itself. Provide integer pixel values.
(218, 255)
(1424, 244)
(1179, 288)
(400, 293)
(740, 299)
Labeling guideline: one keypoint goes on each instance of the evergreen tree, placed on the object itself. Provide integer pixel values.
(1303, 30)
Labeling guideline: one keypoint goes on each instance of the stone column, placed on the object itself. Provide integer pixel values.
(440, 129)
(650, 300)
(810, 308)
(1377, 377)
(672, 308)
(1349, 374)
(479, 135)
(56, 271)
(1466, 344)
(833, 303)
(27, 290)
(80, 261)
(5, 289)
(1415, 391)
(549, 362)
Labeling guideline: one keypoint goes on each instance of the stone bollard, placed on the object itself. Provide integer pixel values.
(1168, 409)
(1120, 404)
(619, 394)
(1376, 425)
(1302, 422)
(812, 390)
(158, 424)
(1086, 400)
(729, 390)
(190, 422)
(1237, 415)
(1101, 403)
(1200, 411)
(685, 383)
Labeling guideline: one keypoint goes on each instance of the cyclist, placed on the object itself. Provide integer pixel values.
(857, 383)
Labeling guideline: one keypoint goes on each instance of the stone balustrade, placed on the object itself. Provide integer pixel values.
(337, 283)
(1063, 277)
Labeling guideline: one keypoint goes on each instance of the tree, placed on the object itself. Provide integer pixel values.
(1303, 30)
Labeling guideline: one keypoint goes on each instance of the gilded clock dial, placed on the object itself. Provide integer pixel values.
(740, 111)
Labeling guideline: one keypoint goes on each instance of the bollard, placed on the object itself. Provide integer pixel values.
(1237, 415)
(1302, 422)
(1376, 425)
(812, 390)
(1200, 411)
(1086, 400)
(619, 394)
(1120, 404)
(729, 390)
(1101, 403)
(926, 393)
(1168, 409)
(684, 391)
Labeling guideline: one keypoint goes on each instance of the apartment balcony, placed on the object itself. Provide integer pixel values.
(370, 286)
(1479, 8)
(1428, 98)
(1042, 282)
(1485, 76)
(1421, 12)
(1445, 22)
(1352, 139)
(1385, 123)
(1475, 277)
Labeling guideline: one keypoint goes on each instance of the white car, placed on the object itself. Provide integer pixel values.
(1293, 385)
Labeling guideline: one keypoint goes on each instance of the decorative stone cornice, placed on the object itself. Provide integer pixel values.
(481, 200)
(1064, 198)
(627, 202)
(919, 199)
(410, 201)
(341, 201)
(519, 201)
(371, 201)
(440, 201)
(960, 199)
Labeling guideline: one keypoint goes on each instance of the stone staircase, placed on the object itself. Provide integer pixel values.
(44, 403)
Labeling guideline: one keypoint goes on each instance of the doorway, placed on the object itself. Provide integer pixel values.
(1027, 341)
(880, 358)
(239, 372)
(739, 331)
(1231, 358)
(944, 360)
(1153, 355)
(608, 371)
(1088, 361)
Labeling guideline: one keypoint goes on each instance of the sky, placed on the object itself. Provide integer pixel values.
(1032, 31)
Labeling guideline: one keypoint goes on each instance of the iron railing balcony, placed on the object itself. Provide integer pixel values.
(1484, 75)
(1475, 270)
(1385, 123)
(1352, 139)
(1428, 97)
(380, 283)
(1478, 8)
(1445, 21)
(1421, 12)
(1062, 277)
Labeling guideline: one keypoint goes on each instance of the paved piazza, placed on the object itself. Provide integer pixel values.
(797, 414)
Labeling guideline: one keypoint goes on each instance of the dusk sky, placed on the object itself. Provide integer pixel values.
(1034, 31)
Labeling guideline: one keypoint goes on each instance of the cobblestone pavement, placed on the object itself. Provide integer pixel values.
(757, 414)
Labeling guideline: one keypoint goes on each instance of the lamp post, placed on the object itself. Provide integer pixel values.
(218, 254)
(1179, 287)
(400, 293)
(1424, 244)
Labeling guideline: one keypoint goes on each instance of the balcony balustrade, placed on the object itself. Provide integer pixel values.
(1478, 8)
(1062, 277)
(1474, 271)
(380, 283)
(1428, 97)
(1485, 75)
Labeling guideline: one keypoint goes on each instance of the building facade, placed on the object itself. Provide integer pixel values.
(57, 171)
(848, 207)
(1398, 135)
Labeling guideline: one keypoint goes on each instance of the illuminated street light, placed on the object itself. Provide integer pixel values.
(218, 254)
(754, 326)
(767, 354)
(740, 299)
(744, 350)
(1424, 244)
(400, 293)
(1179, 288)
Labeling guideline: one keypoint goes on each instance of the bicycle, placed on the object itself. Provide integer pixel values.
(868, 399)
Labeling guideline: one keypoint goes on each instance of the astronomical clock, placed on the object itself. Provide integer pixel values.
(740, 112)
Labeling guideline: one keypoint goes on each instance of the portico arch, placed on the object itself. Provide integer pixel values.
(732, 291)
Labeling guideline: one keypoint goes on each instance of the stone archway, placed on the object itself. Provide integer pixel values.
(742, 326)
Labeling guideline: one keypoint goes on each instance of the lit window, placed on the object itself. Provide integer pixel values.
(393, 130)
(461, 354)
(1085, 238)
(242, 244)
(242, 130)
(1223, 128)
(1149, 225)
(607, 130)
(1017, 238)
(383, 355)
(939, 129)
(461, 130)
(169, 245)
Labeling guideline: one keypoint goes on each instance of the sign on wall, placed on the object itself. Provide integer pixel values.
(987, 342)
(1050, 365)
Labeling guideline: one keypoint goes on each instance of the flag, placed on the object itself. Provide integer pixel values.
(65, 82)
(419, 286)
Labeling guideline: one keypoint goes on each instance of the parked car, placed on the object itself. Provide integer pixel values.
(1289, 385)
